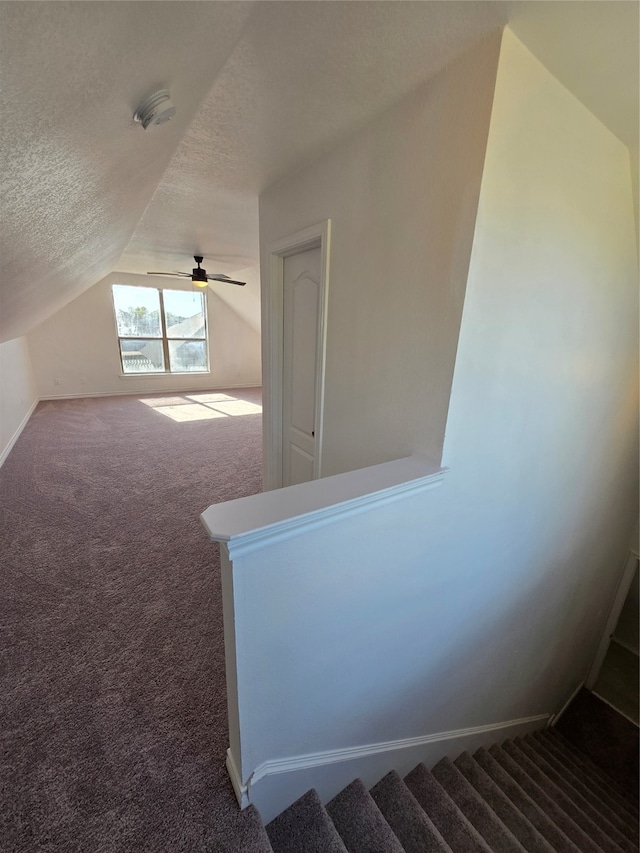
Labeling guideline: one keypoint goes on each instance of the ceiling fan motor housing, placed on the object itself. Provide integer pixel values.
(199, 276)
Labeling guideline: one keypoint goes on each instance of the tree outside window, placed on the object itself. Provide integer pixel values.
(161, 331)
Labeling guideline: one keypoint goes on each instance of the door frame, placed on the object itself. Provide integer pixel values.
(612, 620)
(316, 236)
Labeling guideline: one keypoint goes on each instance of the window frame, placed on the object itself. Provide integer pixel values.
(164, 339)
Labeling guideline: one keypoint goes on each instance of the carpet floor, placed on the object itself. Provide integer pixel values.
(113, 705)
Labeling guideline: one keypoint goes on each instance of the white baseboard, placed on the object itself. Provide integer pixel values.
(160, 391)
(554, 719)
(239, 789)
(276, 783)
(16, 434)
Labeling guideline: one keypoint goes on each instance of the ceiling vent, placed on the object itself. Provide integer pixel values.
(156, 110)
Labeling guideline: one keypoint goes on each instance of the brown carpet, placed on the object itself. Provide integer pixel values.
(113, 706)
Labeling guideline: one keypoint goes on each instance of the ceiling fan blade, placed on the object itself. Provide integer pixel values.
(173, 274)
(225, 280)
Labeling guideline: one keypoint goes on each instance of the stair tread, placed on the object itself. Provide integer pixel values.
(248, 832)
(360, 822)
(508, 812)
(528, 806)
(548, 803)
(601, 832)
(606, 737)
(454, 827)
(305, 826)
(572, 769)
(477, 811)
(415, 831)
(593, 769)
(581, 794)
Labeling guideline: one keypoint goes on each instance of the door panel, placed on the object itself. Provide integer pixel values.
(300, 354)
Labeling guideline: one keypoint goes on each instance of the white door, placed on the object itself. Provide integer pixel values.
(301, 304)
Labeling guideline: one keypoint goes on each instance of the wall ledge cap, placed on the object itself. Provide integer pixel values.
(248, 524)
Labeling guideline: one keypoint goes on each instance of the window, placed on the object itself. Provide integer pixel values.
(161, 331)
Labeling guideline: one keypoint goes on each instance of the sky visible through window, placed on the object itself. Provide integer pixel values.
(160, 331)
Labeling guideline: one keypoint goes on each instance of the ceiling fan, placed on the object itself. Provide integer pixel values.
(199, 276)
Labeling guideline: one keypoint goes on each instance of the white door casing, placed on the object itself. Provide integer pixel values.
(294, 353)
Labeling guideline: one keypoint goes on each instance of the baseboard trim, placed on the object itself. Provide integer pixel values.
(141, 393)
(240, 790)
(333, 756)
(554, 719)
(16, 435)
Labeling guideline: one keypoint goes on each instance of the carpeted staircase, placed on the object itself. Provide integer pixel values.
(537, 793)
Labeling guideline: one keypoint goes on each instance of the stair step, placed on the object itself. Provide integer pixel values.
(592, 769)
(456, 830)
(532, 794)
(589, 802)
(305, 826)
(360, 823)
(565, 763)
(528, 806)
(545, 801)
(247, 830)
(508, 812)
(477, 811)
(415, 831)
(609, 739)
(599, 831)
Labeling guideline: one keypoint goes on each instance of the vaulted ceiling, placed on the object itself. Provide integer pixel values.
(260, 89)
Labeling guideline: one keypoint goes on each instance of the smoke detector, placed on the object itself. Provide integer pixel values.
(157, 109)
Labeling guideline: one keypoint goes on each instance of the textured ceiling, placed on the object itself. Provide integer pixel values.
(77, 171)
(260, 88)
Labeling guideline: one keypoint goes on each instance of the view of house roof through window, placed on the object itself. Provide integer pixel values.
(161, 331)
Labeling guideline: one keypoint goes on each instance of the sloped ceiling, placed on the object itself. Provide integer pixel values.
(260, 88)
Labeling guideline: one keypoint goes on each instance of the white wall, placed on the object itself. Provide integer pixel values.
(402, 196)
(634, 156)
(80, 341)
(18, 394)
(482, 601)
(543, 424)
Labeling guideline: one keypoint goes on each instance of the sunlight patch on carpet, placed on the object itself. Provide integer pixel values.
(201, 407)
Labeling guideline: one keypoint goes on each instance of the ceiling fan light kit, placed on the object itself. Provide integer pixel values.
(199, 276)
(157, 109)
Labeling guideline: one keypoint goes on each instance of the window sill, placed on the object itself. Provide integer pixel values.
(174, 373)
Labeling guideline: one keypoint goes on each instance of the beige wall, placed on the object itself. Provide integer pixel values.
(18, 394)
(634, 155)
(542, 435)
(402, 196)
(79, 341)
(484, 600)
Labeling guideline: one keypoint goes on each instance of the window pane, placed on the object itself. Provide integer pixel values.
(184, 313)
(142, 356)
(187, 355)
(137, 311)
